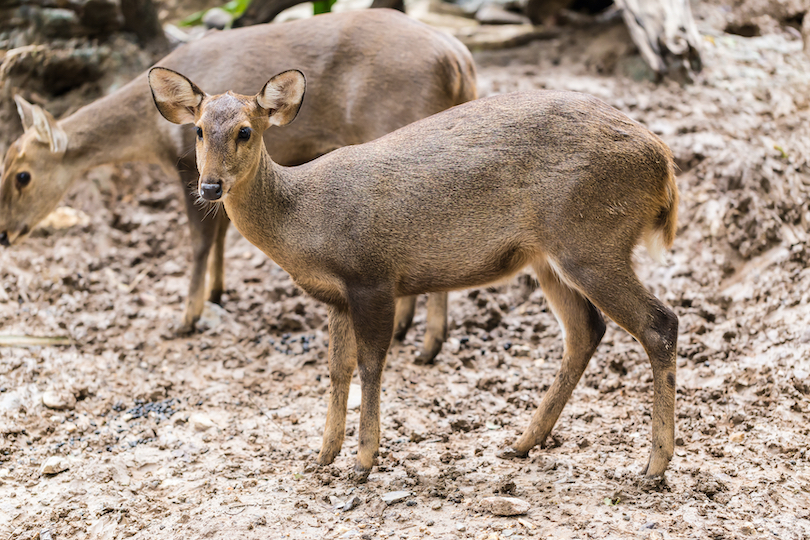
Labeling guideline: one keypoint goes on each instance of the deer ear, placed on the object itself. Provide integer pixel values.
(48, 131)
(177, 98)
(282, 96)
(25, 111)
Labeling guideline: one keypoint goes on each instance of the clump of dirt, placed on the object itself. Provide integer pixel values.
(215, 435)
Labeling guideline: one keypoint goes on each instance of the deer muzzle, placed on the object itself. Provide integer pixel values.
(211, 192)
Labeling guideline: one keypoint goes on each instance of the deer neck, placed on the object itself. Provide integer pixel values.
(259, 206)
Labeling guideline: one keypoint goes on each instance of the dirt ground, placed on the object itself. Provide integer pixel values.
(215, 435)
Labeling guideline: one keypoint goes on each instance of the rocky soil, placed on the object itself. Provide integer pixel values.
(129, 431)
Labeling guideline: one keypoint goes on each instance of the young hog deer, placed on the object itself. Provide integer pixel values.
(556, 180)
(395, 71)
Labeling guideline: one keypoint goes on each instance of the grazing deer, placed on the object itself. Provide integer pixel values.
(556, 180)
(393, 69)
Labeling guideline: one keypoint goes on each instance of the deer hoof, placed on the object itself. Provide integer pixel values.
(360, 474)
(510, 453)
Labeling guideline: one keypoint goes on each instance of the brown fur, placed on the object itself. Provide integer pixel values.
(376, 71)
(557, 180)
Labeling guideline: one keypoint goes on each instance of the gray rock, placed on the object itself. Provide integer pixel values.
(351, 504)
(211, 317)
(59, 23)
(505, 506)
(10, 402)
(54, 465)
(496, 14)
(355, 397)
(393, 497)
(200, 422)
(217, 18)
(59, 400)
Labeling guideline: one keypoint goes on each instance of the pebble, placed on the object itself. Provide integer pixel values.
(737, 437)
(58, 400)
(211, 317)
(355, 396)
(505, 506)
(351, 504)
(495, 14)
(10, 402)
(200, 422)
(217, 18)
(54, 465)
(395, 496)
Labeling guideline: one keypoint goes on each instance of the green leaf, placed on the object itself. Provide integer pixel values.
(322, 6)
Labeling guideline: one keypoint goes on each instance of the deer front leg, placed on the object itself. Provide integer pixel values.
(202, 232)
(342, 361)
(216, 261)
(372, 313)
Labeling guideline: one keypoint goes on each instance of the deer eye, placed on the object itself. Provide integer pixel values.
(23, 179)
(199, 132)
(244, 134)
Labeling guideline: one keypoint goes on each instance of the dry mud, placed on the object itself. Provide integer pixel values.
(215, 435)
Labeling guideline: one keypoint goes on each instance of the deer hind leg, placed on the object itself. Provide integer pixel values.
(406, 306)
(216, 261)
(436, 333)
(342, 361)
(620, 296)
(203, 232)
(583, 328)
(372, 313)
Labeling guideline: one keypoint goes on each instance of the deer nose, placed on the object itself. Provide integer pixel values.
(4, 239)
(211, 192)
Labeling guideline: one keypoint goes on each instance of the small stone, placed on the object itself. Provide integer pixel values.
(436, 505)
(737, 437)
(65, 217)
(351, 504)
(217, 18)
(55, 465)
(45, 534)
(58, 400)
(495, 14)
(211, 317)
(460, 527)
(200, 422)
(395, 496)
(10, 402)
(70, 427)
(505, 506)
(355, 396)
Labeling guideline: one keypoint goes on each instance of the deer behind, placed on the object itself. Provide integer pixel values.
(394, 71)
(559, 181)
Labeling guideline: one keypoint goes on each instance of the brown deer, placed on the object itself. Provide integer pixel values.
(556, 180)
(396, 70)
